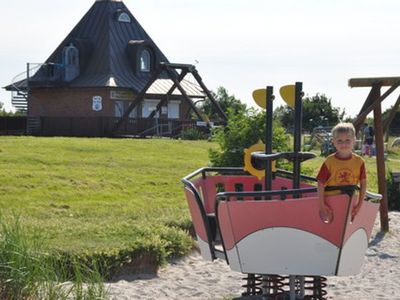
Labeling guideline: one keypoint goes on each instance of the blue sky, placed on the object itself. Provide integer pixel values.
(239, 44)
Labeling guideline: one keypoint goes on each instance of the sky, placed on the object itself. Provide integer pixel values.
(241, 45)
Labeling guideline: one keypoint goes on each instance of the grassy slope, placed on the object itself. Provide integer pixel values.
(101, 194)
(91, 194)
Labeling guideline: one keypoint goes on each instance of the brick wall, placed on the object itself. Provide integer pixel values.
(67, 102)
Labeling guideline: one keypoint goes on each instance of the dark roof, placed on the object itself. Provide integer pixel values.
(107, 50)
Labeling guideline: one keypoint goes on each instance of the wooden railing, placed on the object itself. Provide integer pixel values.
(12, 125)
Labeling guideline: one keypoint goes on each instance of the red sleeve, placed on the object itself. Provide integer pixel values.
(363, 172)
(323, 174)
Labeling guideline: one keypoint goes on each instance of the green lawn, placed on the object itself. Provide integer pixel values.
(118, 198)
(92, 194)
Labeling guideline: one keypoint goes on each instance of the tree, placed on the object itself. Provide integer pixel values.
(317, 111)
(225, 101)
(242, 131)
(4, 113)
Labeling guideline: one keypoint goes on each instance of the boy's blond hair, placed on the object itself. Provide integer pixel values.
(343, 128)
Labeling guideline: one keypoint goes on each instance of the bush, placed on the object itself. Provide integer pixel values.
(193, 134)
(241, 132)
(393, 193)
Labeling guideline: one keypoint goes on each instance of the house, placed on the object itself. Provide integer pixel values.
(108, 77)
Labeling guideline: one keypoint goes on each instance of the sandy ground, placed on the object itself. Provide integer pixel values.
(194, 278)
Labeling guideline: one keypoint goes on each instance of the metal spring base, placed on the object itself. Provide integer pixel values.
(316, 285)
(276, 287)
(253, 285)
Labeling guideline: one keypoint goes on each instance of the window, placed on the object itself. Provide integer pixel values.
(124, 17)
(145, 61)
(173, 109)
(148, 107)
(71, 55)
(133, 113)
(70, 59)
(119, 109)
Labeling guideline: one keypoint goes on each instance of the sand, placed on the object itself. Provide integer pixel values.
(194, 278)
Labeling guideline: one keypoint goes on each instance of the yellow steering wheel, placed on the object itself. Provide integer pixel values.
(248, 166)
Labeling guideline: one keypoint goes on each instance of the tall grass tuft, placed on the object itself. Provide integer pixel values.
(27, 272)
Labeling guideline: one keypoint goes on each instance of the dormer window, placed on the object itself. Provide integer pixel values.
(70, 57)
(145, 59)
(124, 17)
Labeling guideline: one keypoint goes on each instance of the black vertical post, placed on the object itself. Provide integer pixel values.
(298, 115)
(268, 137)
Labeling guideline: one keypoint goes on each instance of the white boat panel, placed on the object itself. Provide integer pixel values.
(353, 252)
(204, 249)
(286, 251)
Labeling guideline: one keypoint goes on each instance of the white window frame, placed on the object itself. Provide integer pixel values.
(145, 60)
(124, 18)
(119, 108)
(71, 56)
(172, 106)
(148, 106)
(133, 113)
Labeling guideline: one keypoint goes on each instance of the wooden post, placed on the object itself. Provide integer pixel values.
(380, 163)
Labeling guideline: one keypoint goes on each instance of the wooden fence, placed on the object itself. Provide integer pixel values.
(95, 126)
(12, 125)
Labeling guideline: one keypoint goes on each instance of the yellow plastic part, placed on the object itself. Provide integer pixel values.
(287, 93)
(260, 96)
(248, 166)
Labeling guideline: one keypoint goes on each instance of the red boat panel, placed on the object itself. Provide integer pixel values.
(208, 187)
(195, 213)
(246, 217)
(364, 219)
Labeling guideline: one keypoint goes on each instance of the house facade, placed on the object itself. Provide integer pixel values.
(96, 73)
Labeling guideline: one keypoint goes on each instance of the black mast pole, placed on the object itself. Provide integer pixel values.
(268, 137)
(298, 115)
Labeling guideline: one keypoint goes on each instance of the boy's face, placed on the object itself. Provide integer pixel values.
(344, 143)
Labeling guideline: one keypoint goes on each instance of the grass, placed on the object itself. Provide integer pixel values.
(112, 197)
(28, 272)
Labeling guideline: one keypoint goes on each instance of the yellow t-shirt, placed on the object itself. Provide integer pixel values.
(338, 171)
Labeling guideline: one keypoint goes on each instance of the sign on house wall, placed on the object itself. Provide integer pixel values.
(97, 103)
(122, 95)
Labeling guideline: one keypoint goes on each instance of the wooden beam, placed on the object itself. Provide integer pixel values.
(380, 164)
(361, 117)
(369, 82)
(172, 76)
(177, 66)
(209, 95)
(370, 100)
(139, 97)
(165, 99)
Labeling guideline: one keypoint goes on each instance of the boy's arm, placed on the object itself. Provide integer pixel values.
(361, 196)
(323, 207)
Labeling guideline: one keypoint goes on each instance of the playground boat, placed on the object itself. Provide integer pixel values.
(278, 231)
(267, 223)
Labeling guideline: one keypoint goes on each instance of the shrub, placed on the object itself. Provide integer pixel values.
(393, 193)
(241, 132)
(193, 134)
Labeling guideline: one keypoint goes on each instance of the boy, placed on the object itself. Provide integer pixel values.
(342, 168)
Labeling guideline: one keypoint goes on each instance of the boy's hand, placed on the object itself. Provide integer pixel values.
(355, 211)
(326, 211)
